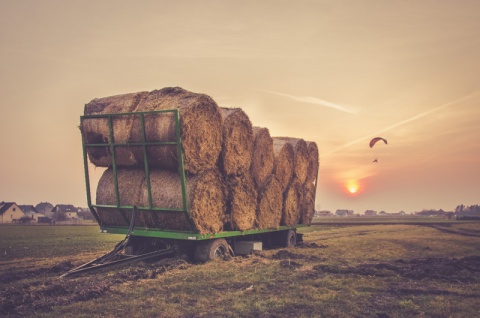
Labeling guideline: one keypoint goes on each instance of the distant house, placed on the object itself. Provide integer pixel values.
(370, 213)
(344, 212)
(31, 212)
(66, 210)
(10, 212)
(85, 213)
(323, 213)
(45, 208)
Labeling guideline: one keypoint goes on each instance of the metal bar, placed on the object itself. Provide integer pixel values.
(87, 180)
(145, 159)
(91, 266)
(151, 143)
(114, 162)
(181, 168)
(139, 208)
(192, 236)
(129, 113)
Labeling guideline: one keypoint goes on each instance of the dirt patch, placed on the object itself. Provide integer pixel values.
(42, 292)
(288, 255)
(464, 270)
(305, 244)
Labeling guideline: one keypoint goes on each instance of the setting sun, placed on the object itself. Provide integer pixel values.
(352, 186)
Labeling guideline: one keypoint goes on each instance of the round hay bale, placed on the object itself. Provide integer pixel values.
(241, 202)
(200, 126)
(284, 156)
(130, 182)
(96, 130)
(237, 148)
(262, 158)
(300, 166)
(205, 197)
(313, 162)
(270, 203)
(308, 203)
(292, 200)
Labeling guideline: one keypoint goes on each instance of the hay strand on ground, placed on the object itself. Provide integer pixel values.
(301, 158)
(270, 203)
(313, 162)
(308, 203)
(241, 202)
(283, 161)
(292, 200)
(262, 158)
(237, 148)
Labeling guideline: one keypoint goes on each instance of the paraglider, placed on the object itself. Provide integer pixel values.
(375, 140)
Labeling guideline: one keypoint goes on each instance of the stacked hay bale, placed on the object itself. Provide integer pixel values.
(237, 176)
(235, 160)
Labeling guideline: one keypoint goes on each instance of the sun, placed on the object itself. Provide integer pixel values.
(352, 186)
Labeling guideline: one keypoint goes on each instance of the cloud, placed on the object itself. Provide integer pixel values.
(315, 101)
(403, 122)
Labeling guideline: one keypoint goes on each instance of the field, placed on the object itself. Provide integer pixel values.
(430, 269)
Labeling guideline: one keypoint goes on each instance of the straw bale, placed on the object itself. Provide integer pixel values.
(300, 166)
(283, 161)
(130, 183)
(262, 158)
(200, 125)
(237, 148)
(292, 200)
(270, 203)
(96, 130)
(308, 203)
(241, 202)
(313, 162)
(205, 197)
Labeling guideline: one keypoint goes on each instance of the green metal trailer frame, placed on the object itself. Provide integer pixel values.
(144, 231)
(173, 241)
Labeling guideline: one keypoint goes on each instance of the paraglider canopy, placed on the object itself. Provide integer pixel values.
(375, 140)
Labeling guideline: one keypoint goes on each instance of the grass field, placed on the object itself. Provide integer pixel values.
(387, 270)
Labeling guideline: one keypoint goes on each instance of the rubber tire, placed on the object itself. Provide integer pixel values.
(211, 249)
(290, 239)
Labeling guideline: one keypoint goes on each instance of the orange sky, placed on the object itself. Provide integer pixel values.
(336, 72)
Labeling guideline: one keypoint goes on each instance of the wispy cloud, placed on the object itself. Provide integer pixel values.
(400, 123)
(315, 101)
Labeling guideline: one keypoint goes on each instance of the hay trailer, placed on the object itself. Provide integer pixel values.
(146, 240)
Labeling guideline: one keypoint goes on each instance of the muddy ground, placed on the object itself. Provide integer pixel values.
(37, 290)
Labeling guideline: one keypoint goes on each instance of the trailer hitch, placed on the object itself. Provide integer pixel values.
(117, 255)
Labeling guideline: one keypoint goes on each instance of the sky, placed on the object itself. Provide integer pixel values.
(335, 72)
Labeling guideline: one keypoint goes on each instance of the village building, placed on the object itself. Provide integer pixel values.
(10, 212)
(31, 212)
(45, 208)
(323, 213)
(344, 212)
(66, 210)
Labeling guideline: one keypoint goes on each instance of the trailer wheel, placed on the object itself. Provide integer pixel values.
(211, 249)
(290, 239)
